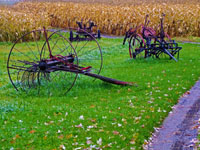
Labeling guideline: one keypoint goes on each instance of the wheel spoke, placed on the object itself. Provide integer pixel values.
(82, 47)
(24, 54)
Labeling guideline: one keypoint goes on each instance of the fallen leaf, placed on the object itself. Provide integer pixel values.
(89, 142)
(93, 120)
(59, 131)
(132, 141)
(61, 136)
(99, 142)
(92, 106)
(69, 136)
(90, 127)
(81, 117)
(119, 125)
(114, 119)
(32, 131)
(147, 117)
(79, 126)
(62, 147)
(12, 142)
(101, 130)
(115, 132)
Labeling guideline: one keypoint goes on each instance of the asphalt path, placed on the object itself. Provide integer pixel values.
(180, 129)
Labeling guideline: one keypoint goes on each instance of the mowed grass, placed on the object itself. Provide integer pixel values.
(94, 114)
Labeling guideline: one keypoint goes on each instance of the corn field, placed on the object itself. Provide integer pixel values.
(182, 19)
(14, 24)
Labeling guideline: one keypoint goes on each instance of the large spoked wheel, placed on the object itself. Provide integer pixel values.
(23, 59)
(137, 47)
(87, 48)
(59, 81)
(29, 68)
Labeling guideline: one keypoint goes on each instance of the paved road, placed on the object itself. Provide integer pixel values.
(180, 129)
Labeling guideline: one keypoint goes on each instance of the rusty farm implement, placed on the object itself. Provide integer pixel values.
(47, 60)
(146, 42)
(81, 35)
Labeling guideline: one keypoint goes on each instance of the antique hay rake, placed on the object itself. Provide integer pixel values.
(145, 42)
(46, 60)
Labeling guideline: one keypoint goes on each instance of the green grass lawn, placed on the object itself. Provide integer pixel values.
(95, 114)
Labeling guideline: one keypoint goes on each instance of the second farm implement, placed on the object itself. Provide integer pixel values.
(145, 42)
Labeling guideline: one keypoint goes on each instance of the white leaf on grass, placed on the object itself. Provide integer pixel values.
(92, 146)
(119, 125)
(89, 142)
(90, 127)
(59, 131)
(99, 142)
(81, 117)
(79, 126)
(88, 138)
(62, 147)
